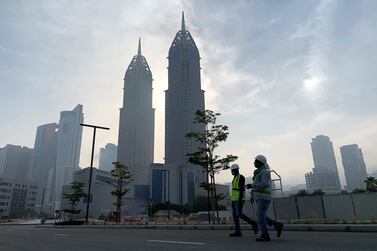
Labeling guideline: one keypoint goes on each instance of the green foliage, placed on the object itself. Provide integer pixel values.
(318, 192)
(371, 184)
(182, 209)
(302, 192)
(200, 204)
(74, 198)
(358, 190)
(123, 177)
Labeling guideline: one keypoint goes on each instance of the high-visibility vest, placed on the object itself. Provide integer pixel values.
(236, 188)
(265, 192)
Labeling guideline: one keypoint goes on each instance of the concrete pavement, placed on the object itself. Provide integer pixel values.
(22, 237)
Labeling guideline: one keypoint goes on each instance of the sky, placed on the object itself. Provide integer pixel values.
(279, 72)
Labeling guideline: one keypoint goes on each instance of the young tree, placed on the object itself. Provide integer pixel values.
(123, 177)
(371, 184)
(206, 157)
(74, 198)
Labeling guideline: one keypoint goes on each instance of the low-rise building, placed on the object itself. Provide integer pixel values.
(101, 199)
(16, 197)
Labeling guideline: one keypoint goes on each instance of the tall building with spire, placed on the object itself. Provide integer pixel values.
(182, 99)
(136, 129)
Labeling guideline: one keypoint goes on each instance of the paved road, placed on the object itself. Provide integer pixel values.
(17, 238)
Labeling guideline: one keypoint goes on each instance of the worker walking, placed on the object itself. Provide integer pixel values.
(262, 194)
(238, 193)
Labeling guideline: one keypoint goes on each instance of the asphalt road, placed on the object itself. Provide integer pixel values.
(17, 238)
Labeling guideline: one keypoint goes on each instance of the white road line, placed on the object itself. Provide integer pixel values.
(63, 235)
(178, 242)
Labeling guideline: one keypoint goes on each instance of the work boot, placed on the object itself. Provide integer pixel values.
(235, 234)
(279, 229)
(263, 238)
(255, 228)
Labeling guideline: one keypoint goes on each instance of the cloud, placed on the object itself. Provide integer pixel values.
(258, 58)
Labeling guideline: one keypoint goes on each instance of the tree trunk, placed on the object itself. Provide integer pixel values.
(216, 205)
(213, 199)
(208, 201)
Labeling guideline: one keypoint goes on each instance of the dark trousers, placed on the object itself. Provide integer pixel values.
(263, 219)
(237, 215)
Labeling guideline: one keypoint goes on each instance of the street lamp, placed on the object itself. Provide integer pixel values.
(91, 165)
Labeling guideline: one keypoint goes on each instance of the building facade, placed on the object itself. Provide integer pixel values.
(16, 161)
(136, 130)
(69, 137)
(325, 174)
(101, 199)
(183, 98)
(107, 156)
(16, 197)
(44, 159)
(354, 167)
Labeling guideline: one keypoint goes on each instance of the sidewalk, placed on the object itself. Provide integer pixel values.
(287, 227)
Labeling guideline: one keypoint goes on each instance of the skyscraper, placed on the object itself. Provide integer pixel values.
(107, 155)
(44, 158)
(136, 128)
(182, 99)
(325, 172)
(354, 166)
(68, 149)
(15, 162)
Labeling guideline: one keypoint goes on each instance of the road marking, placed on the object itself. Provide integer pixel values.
(178, 242)
(63, 235)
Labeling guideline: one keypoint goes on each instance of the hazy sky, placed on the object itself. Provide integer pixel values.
(280, 72)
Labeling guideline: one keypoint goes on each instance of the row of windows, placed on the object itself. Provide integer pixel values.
(4, 197)
(3, 210)
(2, 190)
(3, 203)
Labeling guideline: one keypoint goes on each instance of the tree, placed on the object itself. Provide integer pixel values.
(206, 157)
(123, 177)
(302, 192)
(371, 185)
(74, 198)
(318, 192)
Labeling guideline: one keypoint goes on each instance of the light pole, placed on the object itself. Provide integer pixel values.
(91, 165)
(43, 199)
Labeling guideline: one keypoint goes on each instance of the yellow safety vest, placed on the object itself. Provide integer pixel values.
(236, 188)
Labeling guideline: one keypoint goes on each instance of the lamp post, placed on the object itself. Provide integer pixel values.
(91, 165)
(43, 199)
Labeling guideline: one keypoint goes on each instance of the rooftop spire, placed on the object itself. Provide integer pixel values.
(183, 21)
(139, 48)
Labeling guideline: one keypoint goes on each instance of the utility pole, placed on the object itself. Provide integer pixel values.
(91, 166)
(43, 198)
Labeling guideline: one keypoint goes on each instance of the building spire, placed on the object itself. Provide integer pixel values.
(183, 21)
(139, 48)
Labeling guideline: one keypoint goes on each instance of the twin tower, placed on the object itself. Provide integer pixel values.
(136, 127)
